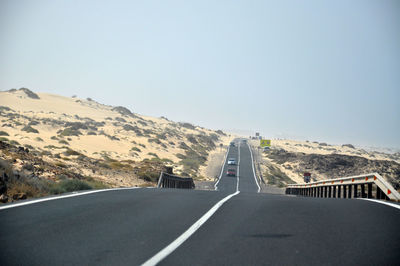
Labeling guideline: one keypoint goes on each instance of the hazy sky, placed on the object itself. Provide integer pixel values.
(316, 70)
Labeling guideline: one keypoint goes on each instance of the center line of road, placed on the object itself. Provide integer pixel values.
(183, 237)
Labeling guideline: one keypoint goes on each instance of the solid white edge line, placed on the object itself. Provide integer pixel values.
(222, 170)
(75, 194)
(252, 164)
(383, 202)
(238, 169)
(162, 254)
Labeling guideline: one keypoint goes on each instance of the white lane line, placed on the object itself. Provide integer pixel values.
(254, 172)
(75, 194)
(238, 168)
(183, 237)
(383, 202)
(222, 170)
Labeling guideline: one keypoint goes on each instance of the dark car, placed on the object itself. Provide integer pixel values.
(231, 172)
(232, 144)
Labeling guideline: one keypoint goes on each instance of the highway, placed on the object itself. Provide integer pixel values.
(233, 225)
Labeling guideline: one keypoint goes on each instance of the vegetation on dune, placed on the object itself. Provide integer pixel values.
(69, 132)
(276, 177)
(29, 129)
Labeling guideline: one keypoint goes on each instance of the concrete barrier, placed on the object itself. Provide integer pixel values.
(362, 186)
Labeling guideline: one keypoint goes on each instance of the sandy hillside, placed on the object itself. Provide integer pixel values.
(107, 143)
(287, 160)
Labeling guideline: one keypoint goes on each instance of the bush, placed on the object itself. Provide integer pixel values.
(70, 152)
(117, 165)
(154, 140)
(14, 142)
(38, 139)
(69, 131)
(70, 185)
(3, 133)
(63, 142)
(135, 149)
(187, 125)
(149, 176)
(123, 111)
(29, 129)
(153, 154)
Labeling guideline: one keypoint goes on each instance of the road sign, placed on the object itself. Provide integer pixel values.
(265, 143)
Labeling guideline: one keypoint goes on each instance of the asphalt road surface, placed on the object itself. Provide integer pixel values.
(233, 225)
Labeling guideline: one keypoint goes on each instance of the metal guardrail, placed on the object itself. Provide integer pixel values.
(362, 186)
(173, 181)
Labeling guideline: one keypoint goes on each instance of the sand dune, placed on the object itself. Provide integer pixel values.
(101, 132)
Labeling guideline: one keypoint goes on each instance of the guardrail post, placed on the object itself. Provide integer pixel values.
(325, 192)
(363, 195)
(344, 192)
(378, 193)
(370, 190)
(349, 189)
(334, 192)
(339, 192)
(314, 192)
(355, 191)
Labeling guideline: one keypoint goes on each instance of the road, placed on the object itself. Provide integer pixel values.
(131, 227)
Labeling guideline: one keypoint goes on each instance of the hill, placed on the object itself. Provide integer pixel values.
(287, 160)
(54, 138)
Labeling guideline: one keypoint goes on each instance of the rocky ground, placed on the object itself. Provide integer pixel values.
(280, 166)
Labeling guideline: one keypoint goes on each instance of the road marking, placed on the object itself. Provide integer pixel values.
(222, 170)
(74, 194)
(254, 173)
(238, 168)
(183, 237)
(383, 202)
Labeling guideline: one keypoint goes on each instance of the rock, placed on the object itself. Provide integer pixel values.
(3, 198)
(348, 145)
(19, 196)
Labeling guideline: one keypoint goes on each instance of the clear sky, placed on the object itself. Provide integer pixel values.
(316, 70)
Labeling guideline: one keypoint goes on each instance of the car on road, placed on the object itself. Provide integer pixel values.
(231, 172)
(231, 161)
(232, 144)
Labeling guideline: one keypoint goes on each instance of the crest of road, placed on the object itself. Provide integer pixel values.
(235, 224)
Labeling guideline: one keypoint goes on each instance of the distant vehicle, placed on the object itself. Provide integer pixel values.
(233, 144)
(231, 161)
(244, 140)
(231, 172)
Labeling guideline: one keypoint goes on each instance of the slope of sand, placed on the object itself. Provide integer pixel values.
(158, 137)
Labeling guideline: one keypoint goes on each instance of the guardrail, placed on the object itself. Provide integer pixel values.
(363, 186)
(172, 181)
